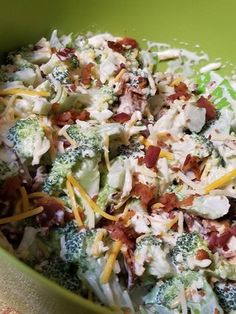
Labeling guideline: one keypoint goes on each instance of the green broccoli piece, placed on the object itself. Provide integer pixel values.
(184, 252)
(134, 149)
(69, 161)
(89, 137)
(19, 62)
(75, 245)
(206, 148)
(61, 74)
(64, 274)
(28, 139)
(166, 297)
(223, 269)
(77, 249)
(226, 293)
(151, 258)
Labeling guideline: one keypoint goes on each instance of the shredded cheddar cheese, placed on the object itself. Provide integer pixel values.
(172, 222)
(74, 203)
(37, 194)
(21, 216)
(19, 91)
(166, 154)
(18, 206)
(25, 199)
(86, 197)
(105, 276)
(95, 247)
(221, 181)
(119, 75)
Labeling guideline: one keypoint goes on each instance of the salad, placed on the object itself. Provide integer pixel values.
(118, 180)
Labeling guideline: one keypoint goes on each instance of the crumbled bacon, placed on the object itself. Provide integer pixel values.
(53, 213)
(201, 254)
(142, 82)
(181, 90)
(151, 156)
(186, 201)
(210, 109)
(223, 239)
(121, 117)
(70, 116)
(212, 241)
(86, 73)
(119, 232)
(145, 192)
(65, 53)
(126, 41)
(233, 230)
(169, 200)
(115, 46)
(191, 163)
(9, 188)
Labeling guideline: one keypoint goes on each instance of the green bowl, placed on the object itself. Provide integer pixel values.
(209, 23)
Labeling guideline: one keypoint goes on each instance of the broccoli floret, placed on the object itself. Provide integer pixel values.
(184, 252)
(150, 257)
(224, 269)
(89, 137)
(77, 248)
(28, 140)
(207, 146)
(19, 62)
(61, 73)
(166, 297)
(63, 164)
(134, 149)
(226, 293)
(107, 95)
(62, 273)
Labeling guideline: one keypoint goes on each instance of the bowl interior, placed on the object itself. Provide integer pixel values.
(207, 23)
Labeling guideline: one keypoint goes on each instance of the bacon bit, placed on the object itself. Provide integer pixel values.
(145, 192)
(125, 234)
(115, 46)
(9, 188)
(169, 200)
(181, 90)
(191, 163)
(72, 87)
(55, 107)
(121, 117)
(212, 241)
(233, 230)
(210, 109)
(201, 254)
(140, 161)
(65, 53)
(70, 116)
(126, 41)
(224, 238)
(86, 73)
(151, 156)
(53, 213)
(142, 82)
(186, 201)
